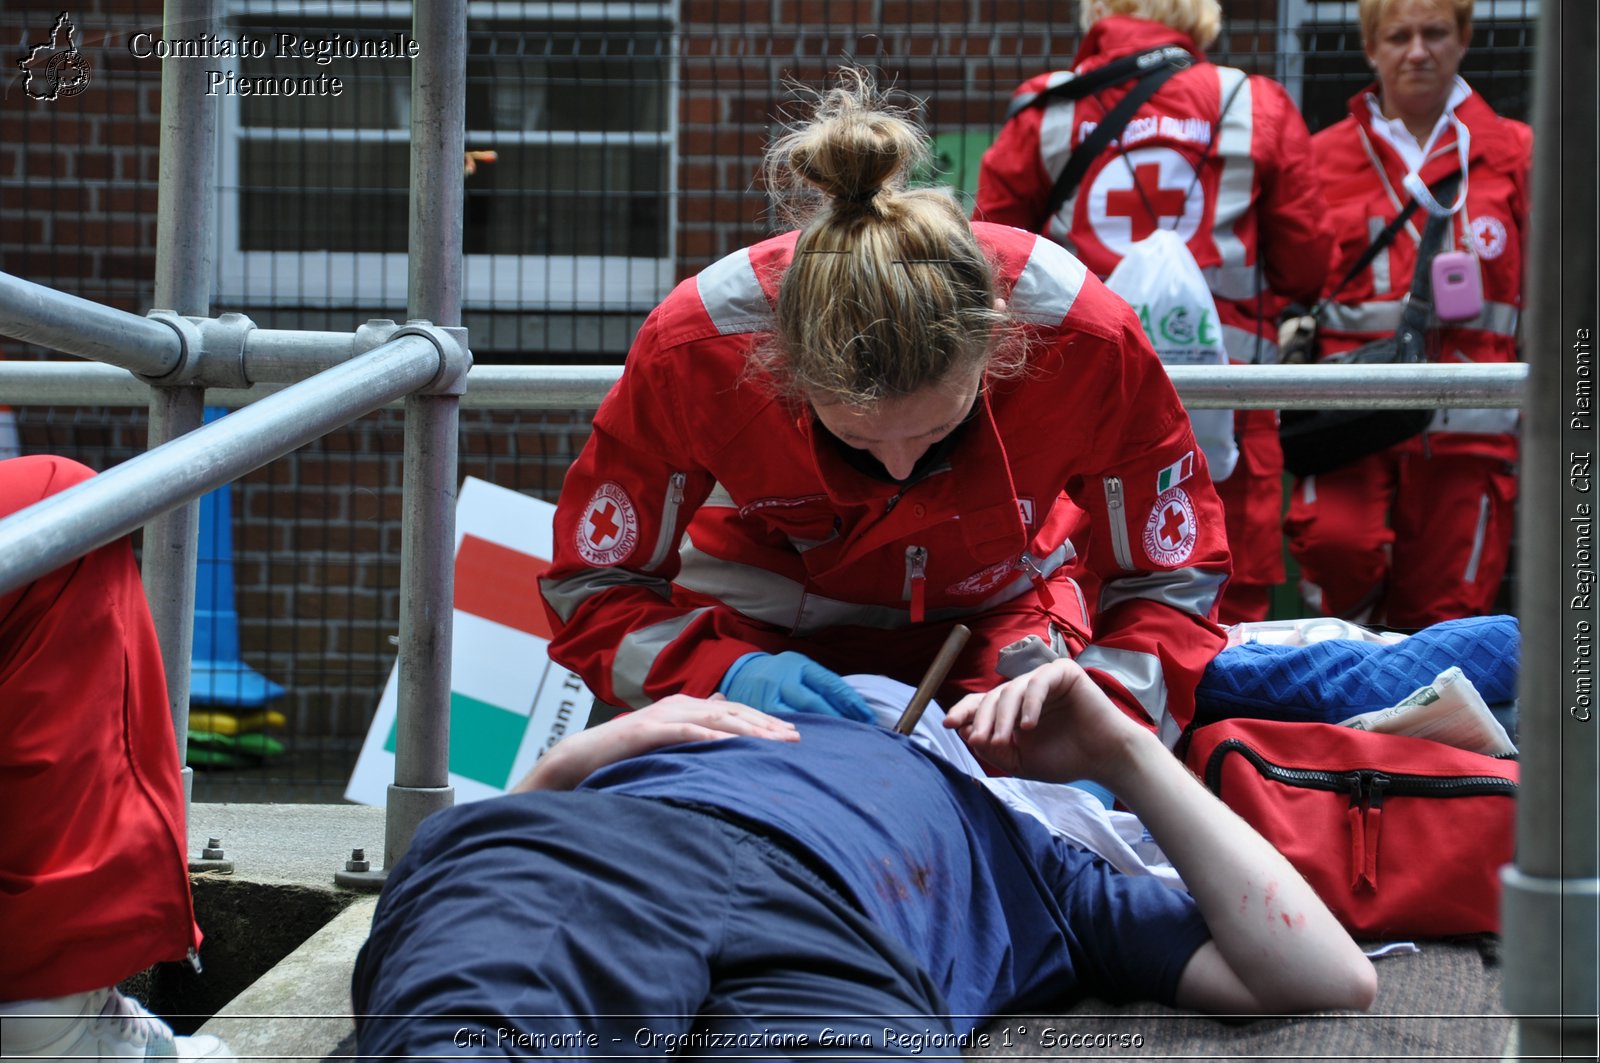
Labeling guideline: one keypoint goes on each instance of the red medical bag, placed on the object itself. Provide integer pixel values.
(1401, 837)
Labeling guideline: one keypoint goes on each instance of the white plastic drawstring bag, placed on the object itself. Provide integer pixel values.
(1160, 279)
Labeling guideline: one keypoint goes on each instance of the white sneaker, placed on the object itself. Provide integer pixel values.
(102, 1024)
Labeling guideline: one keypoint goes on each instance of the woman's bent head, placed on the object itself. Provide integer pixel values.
(889, 292)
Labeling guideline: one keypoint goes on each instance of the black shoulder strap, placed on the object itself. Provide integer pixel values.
(1445, 188)
(1113, 73)
(1110, 128)
(1379, 242)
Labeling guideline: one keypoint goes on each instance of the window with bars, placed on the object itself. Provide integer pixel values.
(575, 101)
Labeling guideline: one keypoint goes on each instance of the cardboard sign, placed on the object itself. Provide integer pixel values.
(508, 701)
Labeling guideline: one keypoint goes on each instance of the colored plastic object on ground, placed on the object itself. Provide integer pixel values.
(218, 674)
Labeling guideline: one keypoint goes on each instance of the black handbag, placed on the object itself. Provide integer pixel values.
(1315, 441)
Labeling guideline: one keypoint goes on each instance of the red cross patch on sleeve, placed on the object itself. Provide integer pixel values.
(609, 528)
(1169, 534)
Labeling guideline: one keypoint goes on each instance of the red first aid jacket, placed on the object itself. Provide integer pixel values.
(706, 519)
(94, 877)
(1362, 180)
(1252, 217)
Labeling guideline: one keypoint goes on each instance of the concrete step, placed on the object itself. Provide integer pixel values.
(280, 935)
(300, 1009)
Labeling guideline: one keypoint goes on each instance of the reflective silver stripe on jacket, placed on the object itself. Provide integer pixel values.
(1048, 286)
(1500, 319)
(1021, 103)
(1239, 283)
(1019, 586)
(1243, 345)
(1474, 419)
(1188, 590)
(637, 653)
(1363, 317)
(1479, 534)
(1380, 261)
(1140, 674)
(1237, 176)
(764, 595)
(732, 295)
(1055, 148)
(565, 596)
(757, 592)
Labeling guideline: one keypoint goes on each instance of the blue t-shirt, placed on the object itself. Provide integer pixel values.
(1003, 915)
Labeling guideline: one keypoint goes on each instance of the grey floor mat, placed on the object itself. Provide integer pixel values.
(1442, 1003)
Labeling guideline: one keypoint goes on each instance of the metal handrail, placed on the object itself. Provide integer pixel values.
(64, 322)
(534, 387)
(63, 526)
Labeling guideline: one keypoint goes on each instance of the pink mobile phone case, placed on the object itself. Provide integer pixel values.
(1457, 289)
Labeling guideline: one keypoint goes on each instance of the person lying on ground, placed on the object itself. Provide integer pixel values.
(702, 876)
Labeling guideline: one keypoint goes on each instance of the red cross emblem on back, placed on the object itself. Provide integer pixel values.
(1146, 195)
(1132, 195)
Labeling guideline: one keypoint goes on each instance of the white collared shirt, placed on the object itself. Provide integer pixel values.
(1399, 137)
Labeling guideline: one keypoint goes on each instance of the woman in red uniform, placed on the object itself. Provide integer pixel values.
(828, 448)
(1420, 532)
(1220, 157)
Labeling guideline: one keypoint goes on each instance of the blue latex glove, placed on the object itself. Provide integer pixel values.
(792, 682)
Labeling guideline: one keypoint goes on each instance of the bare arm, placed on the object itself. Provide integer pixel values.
(1275, 946)
(669, 722)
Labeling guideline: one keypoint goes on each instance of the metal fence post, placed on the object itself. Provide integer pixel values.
(1552, 895)
(185, 228)
(427, 552)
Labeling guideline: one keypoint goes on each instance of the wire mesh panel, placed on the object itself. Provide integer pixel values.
(613, 149)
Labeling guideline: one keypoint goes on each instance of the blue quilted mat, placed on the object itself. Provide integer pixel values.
(1329, 681)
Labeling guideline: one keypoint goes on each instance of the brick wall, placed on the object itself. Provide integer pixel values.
(78, 174)
(963, 57)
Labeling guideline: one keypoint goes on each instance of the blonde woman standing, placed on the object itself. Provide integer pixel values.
(1419, 532)
(1220, 158)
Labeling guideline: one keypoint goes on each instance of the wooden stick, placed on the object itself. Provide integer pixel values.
(940, 668)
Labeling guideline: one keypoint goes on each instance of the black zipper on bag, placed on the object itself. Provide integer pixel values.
(1366, 781)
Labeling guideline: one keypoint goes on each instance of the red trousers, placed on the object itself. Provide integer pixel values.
(94, 882)
(1410, 536)
(1252, 506)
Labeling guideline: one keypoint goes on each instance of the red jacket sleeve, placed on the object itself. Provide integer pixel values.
(1013, 187)
(1296, 239)
(1157, 546)
(617, 620)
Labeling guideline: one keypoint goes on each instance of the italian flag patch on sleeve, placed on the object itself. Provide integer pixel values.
(1176, 473)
